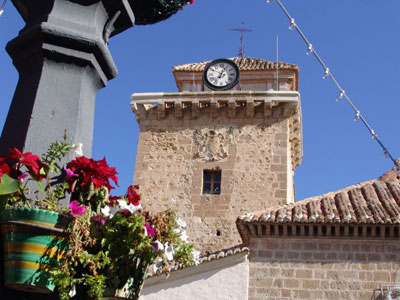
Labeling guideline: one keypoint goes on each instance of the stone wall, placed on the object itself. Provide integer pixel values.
(295, 268)
(253, 154)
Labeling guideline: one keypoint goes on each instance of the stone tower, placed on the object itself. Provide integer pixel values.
(215, 155)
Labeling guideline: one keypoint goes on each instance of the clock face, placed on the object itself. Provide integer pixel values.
(221, 74)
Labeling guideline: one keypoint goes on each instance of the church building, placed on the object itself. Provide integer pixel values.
(223, 151)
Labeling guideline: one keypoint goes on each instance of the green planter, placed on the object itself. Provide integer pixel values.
(33, 241)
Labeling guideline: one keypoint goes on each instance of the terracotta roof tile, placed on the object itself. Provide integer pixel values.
(371, 202)
(244, 64)
(203, 259)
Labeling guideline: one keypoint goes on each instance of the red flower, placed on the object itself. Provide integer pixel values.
(36, 167)
(92, 171)
(42, 171)
(133, 196)
(27, 159)
(113, 200)
(4, 168)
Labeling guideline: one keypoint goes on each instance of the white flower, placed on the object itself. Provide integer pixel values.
(177, 230)
(72, 292)
(180, 222)
(108, 211)
(196, 256)
(169, 251)
(184, 236)
(157, 264)
(78, 149)
(130, 207)
(157, 246)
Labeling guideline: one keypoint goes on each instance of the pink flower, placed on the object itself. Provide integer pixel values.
(149, 230)
(100, 219)
(70, 173)
(76, 210)
(22, 177)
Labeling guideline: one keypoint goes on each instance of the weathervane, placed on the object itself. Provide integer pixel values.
(242, 30)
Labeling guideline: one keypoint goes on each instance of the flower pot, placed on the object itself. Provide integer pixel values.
(33, 241)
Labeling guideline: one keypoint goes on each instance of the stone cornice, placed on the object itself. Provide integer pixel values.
(277, 104)
(289, 101)
(248, 231)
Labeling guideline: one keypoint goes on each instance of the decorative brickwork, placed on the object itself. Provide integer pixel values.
(318, 268)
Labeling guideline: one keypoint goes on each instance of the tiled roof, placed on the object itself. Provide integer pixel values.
(206, 258)
(371, 202)
(244, 64)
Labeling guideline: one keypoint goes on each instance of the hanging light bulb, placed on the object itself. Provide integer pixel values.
(326, 74)
(358, 116)
(310, 49)
(340, 97)
(292, 24)
(385, 153)
(374, 135)
(2, 8)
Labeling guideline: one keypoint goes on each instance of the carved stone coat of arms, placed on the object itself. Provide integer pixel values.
(213, 144)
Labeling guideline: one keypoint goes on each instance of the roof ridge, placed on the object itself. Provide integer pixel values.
(244, 64)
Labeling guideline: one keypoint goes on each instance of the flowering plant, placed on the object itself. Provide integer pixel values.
(153, 11)
(112, 240)
(19, 171)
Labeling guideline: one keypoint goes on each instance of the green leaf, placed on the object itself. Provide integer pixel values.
(8, 185)
(42, 171)
(40, 186)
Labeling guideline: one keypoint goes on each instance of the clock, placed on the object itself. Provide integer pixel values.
(221, 74)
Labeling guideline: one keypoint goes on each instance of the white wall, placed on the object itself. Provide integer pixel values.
(227, 280)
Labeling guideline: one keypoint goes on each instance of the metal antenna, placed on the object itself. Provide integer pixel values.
(242, 30)
(2, 7)
(277, 63)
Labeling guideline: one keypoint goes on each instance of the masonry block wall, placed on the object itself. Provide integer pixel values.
(253, 153)
(301, 268)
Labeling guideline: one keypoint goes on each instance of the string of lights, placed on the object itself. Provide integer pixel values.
(2, 8)
(342, 93)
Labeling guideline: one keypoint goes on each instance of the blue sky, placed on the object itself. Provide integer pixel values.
(359, 40)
